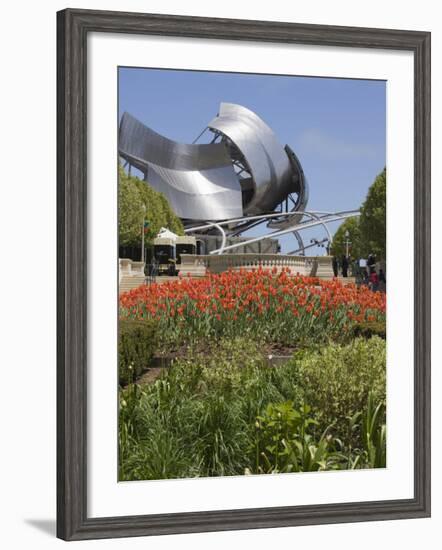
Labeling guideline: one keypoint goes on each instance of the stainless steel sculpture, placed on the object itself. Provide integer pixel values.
(244, 171)
(243, 178)
(198, 180)
(272, 173)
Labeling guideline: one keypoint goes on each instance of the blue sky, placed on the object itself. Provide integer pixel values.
(335, 126)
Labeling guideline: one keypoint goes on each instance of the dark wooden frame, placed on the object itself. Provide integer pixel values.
(73, 27)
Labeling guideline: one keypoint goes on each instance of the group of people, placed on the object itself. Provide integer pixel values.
(373, 279)
(365, 274)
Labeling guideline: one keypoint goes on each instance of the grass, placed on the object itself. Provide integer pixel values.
(230, 413)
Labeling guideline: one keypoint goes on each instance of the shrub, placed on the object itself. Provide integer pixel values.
(136, 345)
(336, 380)
(198, 416)
(367, 329)
(226, 411)
(283, 442)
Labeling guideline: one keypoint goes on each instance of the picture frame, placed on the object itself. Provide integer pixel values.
(73, 28)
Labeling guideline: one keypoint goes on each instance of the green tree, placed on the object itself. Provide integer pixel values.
(372, 222)
(172, 221)
(338, 247)
(135, 196)
(130, 211)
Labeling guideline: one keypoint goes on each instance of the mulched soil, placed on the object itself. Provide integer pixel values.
(207, 347)
(276, 353)
(150, 375)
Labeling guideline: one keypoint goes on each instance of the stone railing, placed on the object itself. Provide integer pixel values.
(304, 265)
(323, 268)
(193, 266)
(129, 268)
(132, 273)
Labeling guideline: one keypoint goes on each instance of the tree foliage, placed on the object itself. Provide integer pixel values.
(372, 222)
(338, 247)
(130, 211)
(366, 233)
(133, 196)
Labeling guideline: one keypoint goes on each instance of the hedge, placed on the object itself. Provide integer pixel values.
(136, 345)
(336, 380)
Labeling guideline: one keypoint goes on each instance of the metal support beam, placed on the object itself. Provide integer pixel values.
(297, 227)
(301, 245)
(317, 218)
(199, 135)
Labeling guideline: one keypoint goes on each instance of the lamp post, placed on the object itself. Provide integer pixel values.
(142, 234)
(347, 242)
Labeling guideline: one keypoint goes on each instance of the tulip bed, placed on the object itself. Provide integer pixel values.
(265, 305)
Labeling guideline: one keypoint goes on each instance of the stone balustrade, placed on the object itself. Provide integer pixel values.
(302, 265)
(323, 268)
(130, 274)
(129, 268)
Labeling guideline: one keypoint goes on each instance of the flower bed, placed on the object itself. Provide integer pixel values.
(261, 304)
(228, 413)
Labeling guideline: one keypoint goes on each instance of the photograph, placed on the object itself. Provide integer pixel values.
(252, 274)
(223, 250)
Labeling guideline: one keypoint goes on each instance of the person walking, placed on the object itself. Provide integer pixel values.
(335, 266)
(344, 266)
(374, 281)
(371, 261)
(365, 279)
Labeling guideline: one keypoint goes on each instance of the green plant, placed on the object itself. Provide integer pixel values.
(370, 424)
(337, 379)
(224, 411)
(339, 246)
(372, 222)
(367, 233)
(137, 200)
(130, 210)
(136, 345)
(374, 433)
(367, 329)
(260, 305)
(283, 442)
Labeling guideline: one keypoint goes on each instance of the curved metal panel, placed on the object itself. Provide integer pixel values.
(269, 164)
(198, 180)
(301, 188)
